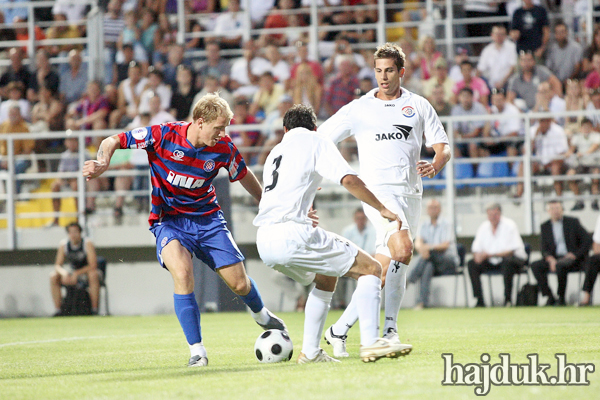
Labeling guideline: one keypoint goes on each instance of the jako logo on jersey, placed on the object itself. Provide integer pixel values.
(177, 155)
(187, 182)
(209, 165)
(389, 105)
(408, 112)
(403, 133)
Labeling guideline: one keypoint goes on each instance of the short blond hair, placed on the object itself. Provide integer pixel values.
(391, 51)
(210, 107)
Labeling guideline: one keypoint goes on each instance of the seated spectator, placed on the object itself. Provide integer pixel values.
(16, 94)
(511, 126)
(530, 28)
(565, 246)
(277, 18)
(480, 89)
(157, 114)
(244, 79)
(343, 51)
(426, 57)
(128, 100)
(546, 99)
(278, 67)
(74, 12)
(61, 29)
(22, 33)
(16, 71)
(229, 26)
(274, 123)
(467, 129)
(307, 89)
(124, 59)
(69, 162)
(439, 78)
(211, 85)
(564, 56)
(497, 246)
(436, 246)
(131, 35)
(479, 9)
(91, 111)
(80, 255)
(183, 98)
(267, 97)
(368, 72)
(148, 28)
(48, 114)
(155, 85)
(165, 38)
(360, 17)
(593, 108)
(574, 101)
(592, 80)
(215, 65)
(302, 58)
(523, 84)
(549, 145)
(589, 52)
(498, 59)
(43, 75)
(10, 14)
(442, 108)
(16, 124)
(244, 138)
(341, 88)
(462, 54)
(583, 157)
(113, 24)
(174, 60)
(592, 268)
(73, 79)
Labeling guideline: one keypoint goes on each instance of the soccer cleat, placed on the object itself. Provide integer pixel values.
(321, 357)
(383, 348)
(392, 335)
(338, 342)
(274, 323)
(198, 361)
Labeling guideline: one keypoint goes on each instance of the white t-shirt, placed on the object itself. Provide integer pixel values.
(551, 145)
(230, 25)
(281, 71)
(389, 135)
(504, 127)
(506, 238)
(596, 236)
(163, 91)
(293, 171)
(494, 63)
(239, 71)
(583, 144)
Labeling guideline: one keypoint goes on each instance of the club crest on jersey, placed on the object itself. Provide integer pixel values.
(408, 111)
(188, 182)
(163, 242)
(209, 165)
(403, 133)
(139, 133)
(177, 155)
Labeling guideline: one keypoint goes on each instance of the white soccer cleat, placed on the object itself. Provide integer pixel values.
(198, 361)
(392, 335)
(383, 348)
(321, 357)
(338, 342)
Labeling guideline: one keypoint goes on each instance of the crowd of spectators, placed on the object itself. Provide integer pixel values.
(530, 64)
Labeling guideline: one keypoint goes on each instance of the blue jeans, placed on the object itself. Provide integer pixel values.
(436, 264)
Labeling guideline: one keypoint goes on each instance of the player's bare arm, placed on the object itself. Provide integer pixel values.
(251, 184)
(358, 189)
(441, 158)
(94, 168)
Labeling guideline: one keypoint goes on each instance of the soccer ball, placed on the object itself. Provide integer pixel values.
(273, 346)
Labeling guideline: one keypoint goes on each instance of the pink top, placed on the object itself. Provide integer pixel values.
(427, 67)
(593, 80)
(478, 86)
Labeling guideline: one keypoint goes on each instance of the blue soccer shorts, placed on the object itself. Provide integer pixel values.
(205, 236)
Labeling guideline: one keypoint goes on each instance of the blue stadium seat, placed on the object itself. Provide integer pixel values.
(463, 171)
(492, 169)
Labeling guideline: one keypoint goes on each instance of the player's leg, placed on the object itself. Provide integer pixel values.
(241, 284)
(55, 188)
(178, 261)
(55, 283)
(93, 278)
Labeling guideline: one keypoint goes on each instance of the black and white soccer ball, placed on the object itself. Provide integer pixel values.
(273, 346)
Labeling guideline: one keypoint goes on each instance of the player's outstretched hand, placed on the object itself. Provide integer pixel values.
(312, 214)
(93, 169)
(425, 169)
(390, 216)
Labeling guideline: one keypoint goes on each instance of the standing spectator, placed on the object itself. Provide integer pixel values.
(549, 146)
(267, 97)
(497, 246)
(215, 65)
(436, 245)
(498, 59)
(530, 28)
(229, 26)
(73, 79)
(92, 110)
(307, 89)
(183, 97)
(16, 94)
(565, 246)
(128, 100)
(467, 129)
(583, 157)
(564, 55)
(43, 75)
(480, 89)
(440, 78)
(16, 124)
(156, 85)
(16, 71)
(278, 67)
(592, 268)
(524, 84)
(427, 57)
(341, 88)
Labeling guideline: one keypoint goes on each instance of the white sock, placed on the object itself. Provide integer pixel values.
(315, 313)
(197, 349)
(262, 317)
(348, 318)
(368, 297)
(395, 286)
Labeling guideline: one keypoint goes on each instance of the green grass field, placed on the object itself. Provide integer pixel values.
(145, 357)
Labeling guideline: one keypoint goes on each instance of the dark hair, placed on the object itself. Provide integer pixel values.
(560, 22)
(467, 90)
(586, 120)
(300, 116)
(466, 62)
(74, 224)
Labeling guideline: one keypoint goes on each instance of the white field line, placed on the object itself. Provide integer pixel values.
(69, 339)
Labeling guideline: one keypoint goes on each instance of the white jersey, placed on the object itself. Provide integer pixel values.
(389, 135)
(293, 171)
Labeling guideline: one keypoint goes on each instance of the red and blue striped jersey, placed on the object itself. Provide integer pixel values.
(182, 174)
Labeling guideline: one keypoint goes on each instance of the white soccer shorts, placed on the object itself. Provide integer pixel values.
(301, 251)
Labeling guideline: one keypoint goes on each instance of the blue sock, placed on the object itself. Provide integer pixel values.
(188, 314)
(253, 299)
